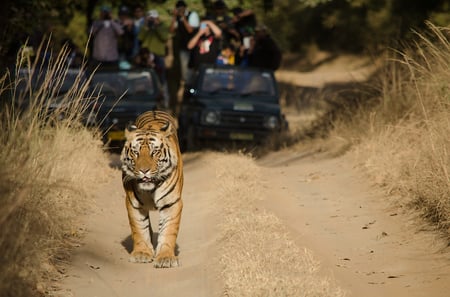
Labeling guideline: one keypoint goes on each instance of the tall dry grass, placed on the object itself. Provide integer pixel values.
(404, 141)
(257, 254)
(46, 168)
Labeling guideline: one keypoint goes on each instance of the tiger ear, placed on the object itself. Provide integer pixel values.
(167, 128)
(130, 131)
(131, 127)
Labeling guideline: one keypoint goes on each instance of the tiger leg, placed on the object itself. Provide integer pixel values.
(141, 231)
(169, 224)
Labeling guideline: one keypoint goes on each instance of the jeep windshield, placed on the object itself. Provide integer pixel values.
(56, 83)
(135, 86)
(244, 83)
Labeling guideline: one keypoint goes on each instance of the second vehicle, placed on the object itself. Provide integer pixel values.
(230, 103)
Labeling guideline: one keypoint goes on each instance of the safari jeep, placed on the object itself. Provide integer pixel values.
(230, 103)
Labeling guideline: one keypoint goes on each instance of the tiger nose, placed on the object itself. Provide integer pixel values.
(145, 170)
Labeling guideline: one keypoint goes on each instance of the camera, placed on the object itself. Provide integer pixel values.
(151, 23)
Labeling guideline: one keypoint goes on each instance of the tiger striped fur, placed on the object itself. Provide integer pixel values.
(152, 176)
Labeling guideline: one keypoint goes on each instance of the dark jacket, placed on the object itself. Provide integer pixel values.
(266, 53)
(205, 52)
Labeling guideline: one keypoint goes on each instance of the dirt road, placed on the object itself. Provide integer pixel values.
(368, 247)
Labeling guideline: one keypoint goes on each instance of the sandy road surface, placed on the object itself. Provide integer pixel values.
(371, 248)
(368, 247)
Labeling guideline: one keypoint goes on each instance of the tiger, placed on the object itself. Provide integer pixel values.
(152, 177)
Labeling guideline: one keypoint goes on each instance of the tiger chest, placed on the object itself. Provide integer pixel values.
(145, 198)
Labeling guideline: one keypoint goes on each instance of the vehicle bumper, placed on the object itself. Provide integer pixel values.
(217, 133)
(118, 135)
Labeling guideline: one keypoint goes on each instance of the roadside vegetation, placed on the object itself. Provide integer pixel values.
(48, 170)
(402, 135)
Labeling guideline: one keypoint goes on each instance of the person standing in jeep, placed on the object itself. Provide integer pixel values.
(264, 51)
(184, 24)
(105, 37)
(205, 45)
(153, 36)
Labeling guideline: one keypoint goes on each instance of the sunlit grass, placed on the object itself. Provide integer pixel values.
(405, 139)
(48, 164)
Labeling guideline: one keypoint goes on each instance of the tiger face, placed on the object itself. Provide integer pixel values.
(147, 158)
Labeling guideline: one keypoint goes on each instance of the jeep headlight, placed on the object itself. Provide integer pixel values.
(271, 122)
(211, 118)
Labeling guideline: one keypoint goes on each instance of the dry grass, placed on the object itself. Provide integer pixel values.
(258, 256)
(404, 141)
(46, 169)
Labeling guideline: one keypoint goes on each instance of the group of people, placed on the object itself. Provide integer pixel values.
(220, 37)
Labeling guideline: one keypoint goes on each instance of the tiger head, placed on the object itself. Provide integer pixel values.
(148, 156)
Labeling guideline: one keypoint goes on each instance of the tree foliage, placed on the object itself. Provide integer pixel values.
(351, 25)
(343, 25)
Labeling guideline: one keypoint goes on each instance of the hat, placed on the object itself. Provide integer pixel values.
(180, 3)
(106, 8)
(219, 4)
(261, 28)
(153, 13)
(123, 10)
(237, 10)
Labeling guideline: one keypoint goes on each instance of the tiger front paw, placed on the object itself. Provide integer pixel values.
(141, 257)
(166, 262)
